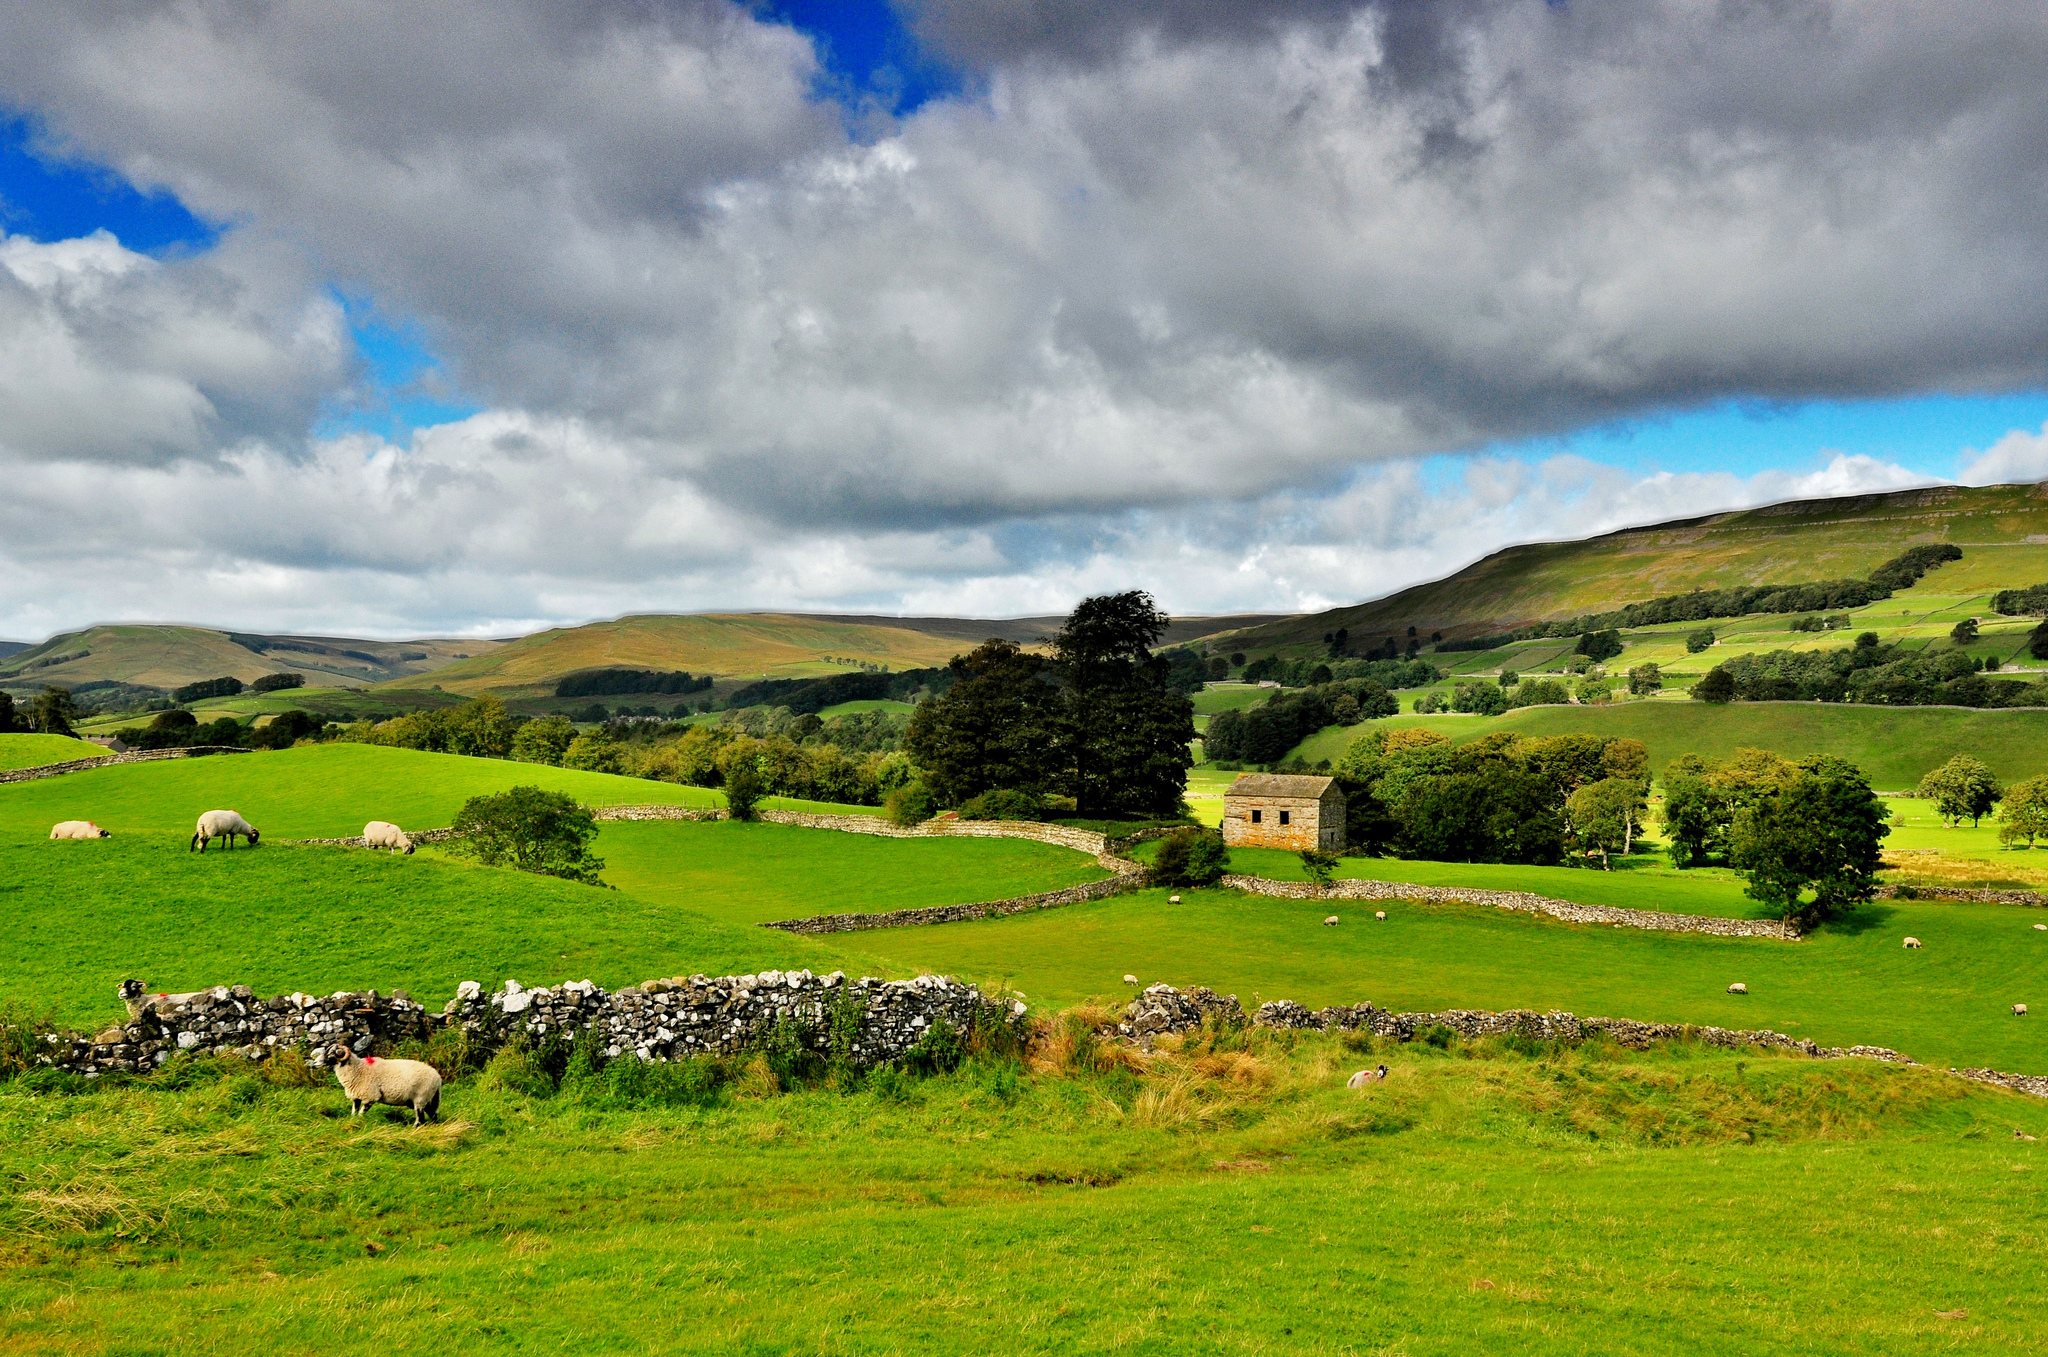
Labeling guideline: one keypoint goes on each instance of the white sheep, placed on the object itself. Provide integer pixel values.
(1913, 942)
(224, 825)
(78, 829)
(369, 1080)
(384, 834)
(1130, 979)
(1330, 922)
(139, 1000)
(2019, 1010)
(1380, 914)
(1738, 988)
(1364, 1077)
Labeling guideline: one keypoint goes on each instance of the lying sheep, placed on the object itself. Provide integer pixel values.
(369, 1080)
(139, 1000)
(383, 834)
(78, 829)
(224, 825)
(1913, 942)
(1364, 1077)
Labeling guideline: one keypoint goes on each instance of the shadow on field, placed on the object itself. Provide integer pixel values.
(1861, 920)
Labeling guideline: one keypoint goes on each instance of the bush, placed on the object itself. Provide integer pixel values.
(1599, 645)
(1717, 687)
(743, 789)
(1318, 864)
(1004, 803)
(1190, 857)
(530, 830)
(1703, 639)
(911, 804)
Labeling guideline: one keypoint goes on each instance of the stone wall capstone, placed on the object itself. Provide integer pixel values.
(1524, 901)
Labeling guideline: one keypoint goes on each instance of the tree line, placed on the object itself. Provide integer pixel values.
(1868, 672)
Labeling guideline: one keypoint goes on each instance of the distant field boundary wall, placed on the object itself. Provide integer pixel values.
(141, 756)
(1526, 902)
(1961, 896)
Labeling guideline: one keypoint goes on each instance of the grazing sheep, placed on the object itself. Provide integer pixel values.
(2018, 1134)
(383, 834)
(1364, 1077)
(369, 1080)
(1173, 899)
(2019, 1010)
(1913, 942)
(223, 825)
(1330, 922)
(1130, 980)
(1380, 914)
(139, 1000)
(78, 829)
(1738, 988)
(2041, 928)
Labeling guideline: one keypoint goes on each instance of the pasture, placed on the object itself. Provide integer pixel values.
(33, 751)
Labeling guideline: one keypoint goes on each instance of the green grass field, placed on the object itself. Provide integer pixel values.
(1895, 746)
(329, 704)
(1238, 1202)
(33, 751)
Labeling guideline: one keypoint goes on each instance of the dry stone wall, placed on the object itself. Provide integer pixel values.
(947, 914)
(1957, 895)
(107, 760)
(1524, 901)
(663, 1019)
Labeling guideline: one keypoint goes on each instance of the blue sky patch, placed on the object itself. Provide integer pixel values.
(49, 199)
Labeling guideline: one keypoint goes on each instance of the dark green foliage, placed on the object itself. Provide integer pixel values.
(1543, 692)
(1823, 832)
(1509, 678)
(1703, 639)
(283, 730)
(1124, 734)
(1904, 570)
(743, 788)
(1485, 699)
(910, 804)
(1717, 687)
(1319, 865)
(1599, 645)
(227, 686)
(939, 1051)
(1645, 678)
(1190, 857)
(531, 830)
(595, 682)
(1963, 788)
(1186, 670)
(804, 696)
(1870, 672)
(53, 711)
(1963, 632)
(1265, 732)
(2037, 642)
(996, 726)
(273, 683)
(2029, 602)
(7, 717)
(1004, 803)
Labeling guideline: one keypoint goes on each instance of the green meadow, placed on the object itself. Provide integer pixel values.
(33, 751)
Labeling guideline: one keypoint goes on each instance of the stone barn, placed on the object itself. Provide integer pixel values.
(1273, 810)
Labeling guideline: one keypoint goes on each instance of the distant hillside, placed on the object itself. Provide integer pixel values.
(2003, 531)
(751, 646)
(167, 657)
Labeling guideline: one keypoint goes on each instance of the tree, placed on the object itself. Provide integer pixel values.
(531, 830)
(2025, 815)
(594, 751)
(1486, 699)
(1319, 865)
(1599, 645)
(1645, 678)
(275, 683)
(1824, 832)
(1703, 639)
(1961, 787)
(743, 788)
(53, 712)
(1603, 816)
(996, 726)
(1717, 687)
(1695, 814)
(1190, 857)
(1125, 733)
(7, 718)
(543, 741)
(2037, 642)
(1963, 632)
(482, 729)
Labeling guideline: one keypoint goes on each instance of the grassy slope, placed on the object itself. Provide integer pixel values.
(1790, 543)
(33, 751)
(1896, 746)
(726, 644)
(1583, 1203)
(749, 873)
(169, 656)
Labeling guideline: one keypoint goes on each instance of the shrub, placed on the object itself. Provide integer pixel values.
(1318, 864)
(531, 830)
(593, 752)
(514, 1070)
(1717, 687)
(743, 789)
(1703, 639)
(1599, 645)
(1004, 803)
(544, 740)
(1429, 704)
(1190, 857)
(910, 804)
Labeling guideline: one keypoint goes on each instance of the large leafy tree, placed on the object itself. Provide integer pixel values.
(54, 711)
(531, 830)
(995, 727)
(1822, 831)
(1125, 732)
(2025, 817)
(1962, 788)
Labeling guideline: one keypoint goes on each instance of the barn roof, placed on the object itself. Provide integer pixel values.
(1281, 785)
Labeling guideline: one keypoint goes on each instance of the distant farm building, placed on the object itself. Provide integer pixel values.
(1272, 810)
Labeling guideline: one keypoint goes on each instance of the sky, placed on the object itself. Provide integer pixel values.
(454, 318)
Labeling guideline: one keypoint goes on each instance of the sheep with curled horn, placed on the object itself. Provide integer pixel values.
(369, 1080)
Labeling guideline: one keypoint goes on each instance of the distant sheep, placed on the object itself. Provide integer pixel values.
(1380, 914)
(1913, 943)
(1130, 980)
(2019, 1010)
(1738, 988)
(139, 1000)
(1364, 1077)
(1330, 922)
(382, 834)
(224, 825)
(2041, 928)
(78, 829)
(369, 1080)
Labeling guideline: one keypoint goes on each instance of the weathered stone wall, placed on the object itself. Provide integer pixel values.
(1063, 836)
(947, 914)
(1305, 827)
(107, 760)
(416, 835)
(1524, 901)
(664, 1019)
(1957, 895)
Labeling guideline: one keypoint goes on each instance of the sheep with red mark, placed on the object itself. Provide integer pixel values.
(369, 1080)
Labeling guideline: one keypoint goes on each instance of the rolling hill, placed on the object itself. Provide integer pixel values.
(168, 656)
(2003, 531)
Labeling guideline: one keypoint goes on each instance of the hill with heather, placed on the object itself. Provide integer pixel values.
(2002, 531)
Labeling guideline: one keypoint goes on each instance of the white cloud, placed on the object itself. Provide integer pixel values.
(2019, 456)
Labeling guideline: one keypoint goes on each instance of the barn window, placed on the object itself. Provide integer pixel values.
(1284, 816)
(1257, 815)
